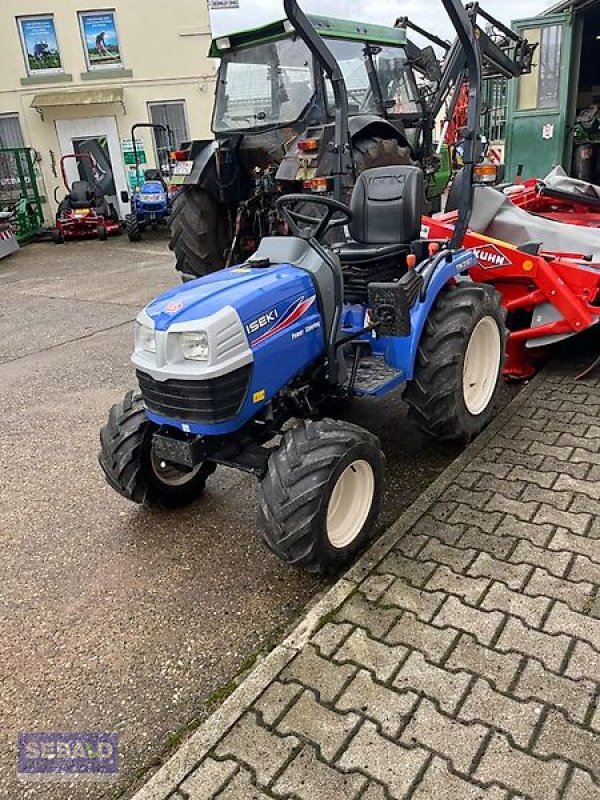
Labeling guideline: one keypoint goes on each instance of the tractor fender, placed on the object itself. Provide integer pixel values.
(401, 351)
(202, 160)
(369, 126)
(218, 169)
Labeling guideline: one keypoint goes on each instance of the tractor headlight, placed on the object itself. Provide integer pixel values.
(145, 338)
(194, 345)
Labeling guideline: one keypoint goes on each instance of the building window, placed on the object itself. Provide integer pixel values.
(40, 44)
(541, 87)
(100, 39)
(10, 131)
(550, 67)
(171, 115)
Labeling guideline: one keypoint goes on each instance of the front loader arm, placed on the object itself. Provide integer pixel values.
(503, 53)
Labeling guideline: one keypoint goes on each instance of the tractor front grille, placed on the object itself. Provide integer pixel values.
(207, 402)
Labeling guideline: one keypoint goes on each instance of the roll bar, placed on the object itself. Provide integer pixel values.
(341, 143)
(473, 74)
(165, 128)
(472, 143)
(78, 158)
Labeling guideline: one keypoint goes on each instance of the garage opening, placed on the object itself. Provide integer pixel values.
(586, 131)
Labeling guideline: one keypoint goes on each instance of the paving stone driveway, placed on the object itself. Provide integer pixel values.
(464, 661)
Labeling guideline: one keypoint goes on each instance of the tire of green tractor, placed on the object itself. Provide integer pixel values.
(131, 468)
(102, 233)
(458, 369)
(132, 226)
(377, 152)
(198, 232)
(321, 495)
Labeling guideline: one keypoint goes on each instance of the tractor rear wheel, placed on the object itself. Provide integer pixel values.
(321, 495)
(378, 152)
(198, 232)
(132, 226)
(459, 363)
(131, 467)
(57, 236)
(102, 233)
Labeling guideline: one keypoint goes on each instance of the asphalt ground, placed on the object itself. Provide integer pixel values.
(115, 618)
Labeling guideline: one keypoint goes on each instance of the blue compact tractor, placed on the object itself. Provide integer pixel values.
(238, 368)
(151, 198)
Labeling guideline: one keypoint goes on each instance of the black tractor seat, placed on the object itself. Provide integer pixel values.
(387, 206)
(154, 175)
(80, 196)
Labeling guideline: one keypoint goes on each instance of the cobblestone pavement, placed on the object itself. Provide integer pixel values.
(463, 662)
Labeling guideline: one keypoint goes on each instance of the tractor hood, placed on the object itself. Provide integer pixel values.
(153, 187)
(250, 291)
(247, 329)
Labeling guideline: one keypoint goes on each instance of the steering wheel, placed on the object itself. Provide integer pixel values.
(319, 225)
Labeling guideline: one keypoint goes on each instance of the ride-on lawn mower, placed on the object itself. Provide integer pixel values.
(84, 212)
(151, 199)
(238, 367)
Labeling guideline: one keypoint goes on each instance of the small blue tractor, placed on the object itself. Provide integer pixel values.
(151, 198)
(242, 367)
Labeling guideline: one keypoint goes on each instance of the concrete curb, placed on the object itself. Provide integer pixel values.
(195, 749)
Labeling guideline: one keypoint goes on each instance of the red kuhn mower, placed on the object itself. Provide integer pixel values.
(537, 244)
(560, 198)
(84, 212)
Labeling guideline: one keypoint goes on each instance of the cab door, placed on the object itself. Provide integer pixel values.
(540, 103)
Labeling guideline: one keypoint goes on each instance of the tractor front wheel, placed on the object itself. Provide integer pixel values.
(132, 226)
(459, 363)
(198, 228)
(102, 233)
(131, 466)
(57, 236)
(321, 495)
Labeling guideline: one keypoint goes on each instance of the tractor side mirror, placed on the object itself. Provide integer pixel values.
(124, 196)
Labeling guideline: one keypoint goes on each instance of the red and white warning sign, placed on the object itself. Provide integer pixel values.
(491, 257)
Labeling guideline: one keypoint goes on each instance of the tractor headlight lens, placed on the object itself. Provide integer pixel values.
(194, 345)
(145, 338)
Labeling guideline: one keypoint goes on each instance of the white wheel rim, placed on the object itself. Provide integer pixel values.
(169, 474)
(350, 503)
(482, 365)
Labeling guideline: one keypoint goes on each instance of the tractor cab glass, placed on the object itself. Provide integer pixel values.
(375, 75)
(264, 85)
(396, 79)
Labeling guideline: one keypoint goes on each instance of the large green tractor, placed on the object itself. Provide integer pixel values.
(304, 104)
